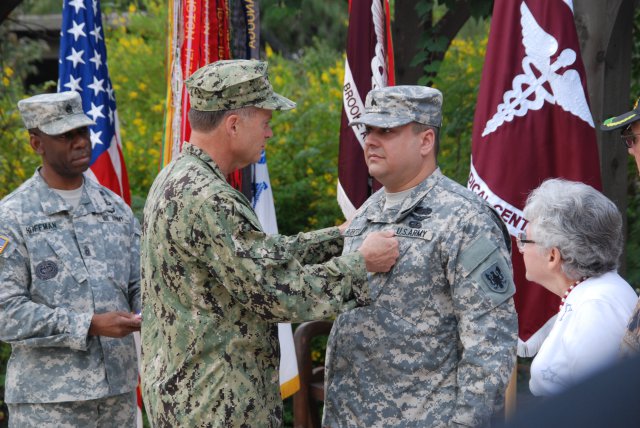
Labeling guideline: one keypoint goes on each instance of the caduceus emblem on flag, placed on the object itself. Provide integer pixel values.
(539, 70)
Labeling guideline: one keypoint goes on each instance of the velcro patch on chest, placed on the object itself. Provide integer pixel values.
(354, 231)
(41, 227)
(46, 270)
(4, 241)
(408, 232)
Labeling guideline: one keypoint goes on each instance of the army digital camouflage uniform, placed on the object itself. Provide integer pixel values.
(214, 287)
(437, 345)
(58, 267)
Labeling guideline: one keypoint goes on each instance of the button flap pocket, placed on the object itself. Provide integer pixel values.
(70, 258)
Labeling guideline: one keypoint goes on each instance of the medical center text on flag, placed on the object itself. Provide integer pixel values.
(510, 215)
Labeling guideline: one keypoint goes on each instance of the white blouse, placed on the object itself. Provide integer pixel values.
(586, 335)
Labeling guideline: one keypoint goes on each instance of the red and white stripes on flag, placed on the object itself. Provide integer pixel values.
(198, 35)
(369, 65)
(83, 68)
(532, 122)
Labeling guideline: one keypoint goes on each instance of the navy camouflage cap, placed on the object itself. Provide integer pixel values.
(54, 114)
(622, 120)
(232, 84)
(393, 106)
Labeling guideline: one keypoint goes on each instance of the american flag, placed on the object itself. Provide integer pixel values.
(83, 68)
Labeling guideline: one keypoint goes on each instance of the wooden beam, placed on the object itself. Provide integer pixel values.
(605, 33)
(6, 7)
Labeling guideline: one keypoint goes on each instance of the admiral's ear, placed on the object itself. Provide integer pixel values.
(231, 123)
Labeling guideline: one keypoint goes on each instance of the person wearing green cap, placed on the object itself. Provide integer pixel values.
(214, 285)
(629, 122)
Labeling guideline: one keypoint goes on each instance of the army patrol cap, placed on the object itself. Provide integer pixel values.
(393, 106)
(622, 120)
(54, 114)
(232, 84)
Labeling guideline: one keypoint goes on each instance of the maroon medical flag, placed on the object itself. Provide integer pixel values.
(369, 64)
(532, 122)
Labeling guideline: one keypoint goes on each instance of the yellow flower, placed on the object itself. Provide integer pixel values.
(132, 8)
(133, 95)
(324, 77)
(8, 71)
(5, 81)
(268, 51)
(278, 81)
(142, 86)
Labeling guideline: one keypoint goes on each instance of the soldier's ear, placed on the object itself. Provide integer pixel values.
(428, 141)
(35, 142)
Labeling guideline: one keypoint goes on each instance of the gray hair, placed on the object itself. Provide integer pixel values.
(581, 222)
(205, 121)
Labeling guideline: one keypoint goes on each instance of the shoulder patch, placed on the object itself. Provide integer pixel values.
(495, 279)
(4, 241)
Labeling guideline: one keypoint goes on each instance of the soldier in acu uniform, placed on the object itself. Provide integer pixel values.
(214, 285)
(437, 344)
(69, 282)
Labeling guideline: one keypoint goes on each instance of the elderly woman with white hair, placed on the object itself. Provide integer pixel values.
(571, 247)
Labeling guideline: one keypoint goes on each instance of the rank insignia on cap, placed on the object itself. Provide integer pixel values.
(4, 241)
(495, 279)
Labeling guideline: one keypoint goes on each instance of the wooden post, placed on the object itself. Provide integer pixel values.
(605, 33)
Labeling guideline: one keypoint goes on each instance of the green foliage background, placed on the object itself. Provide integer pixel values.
(17, 59)
(303, 152)
(136, 51)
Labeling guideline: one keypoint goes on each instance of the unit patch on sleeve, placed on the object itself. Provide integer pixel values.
(495, 279)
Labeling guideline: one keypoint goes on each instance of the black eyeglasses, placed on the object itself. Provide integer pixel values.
(521, 239)
(629, 139)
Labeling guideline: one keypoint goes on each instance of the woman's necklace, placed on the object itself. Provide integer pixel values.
(566, 293)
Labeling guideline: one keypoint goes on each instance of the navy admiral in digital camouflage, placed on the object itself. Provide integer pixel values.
(214, 285)
(437, 345)
(69, 282)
